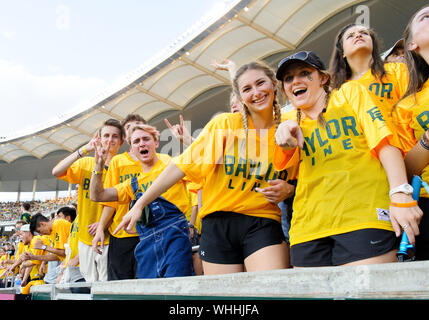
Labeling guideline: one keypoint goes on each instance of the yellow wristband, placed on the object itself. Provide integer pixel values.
(84, 150)
(97, 172)
(404, 205)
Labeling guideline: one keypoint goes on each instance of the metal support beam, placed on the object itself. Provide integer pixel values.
(158, 97)
(26, 149)
(266, 33)
(56, 143)
(111, 114)
(205, 70)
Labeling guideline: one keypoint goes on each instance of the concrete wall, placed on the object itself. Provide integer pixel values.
(408, 280)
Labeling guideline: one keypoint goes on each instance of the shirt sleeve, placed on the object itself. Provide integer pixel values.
(125, 192)
(62, 232)
(368, 116)
(110, 180)
(205, 152)
(403, 117)
(73, 173)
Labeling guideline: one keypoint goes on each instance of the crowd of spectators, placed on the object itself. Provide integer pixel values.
(11, 210)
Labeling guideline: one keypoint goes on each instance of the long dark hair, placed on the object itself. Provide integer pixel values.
(339, 67)
(418, 68)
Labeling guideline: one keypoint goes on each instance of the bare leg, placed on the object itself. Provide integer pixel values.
(269, 258)
(216, 268)
(384, 258)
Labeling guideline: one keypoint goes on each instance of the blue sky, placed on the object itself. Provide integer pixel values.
(55, 55)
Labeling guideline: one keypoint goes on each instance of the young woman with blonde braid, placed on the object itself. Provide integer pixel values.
(241, 227)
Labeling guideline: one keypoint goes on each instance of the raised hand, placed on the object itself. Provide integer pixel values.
(180, 131)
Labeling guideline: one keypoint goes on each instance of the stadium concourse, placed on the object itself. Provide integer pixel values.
(182, 81)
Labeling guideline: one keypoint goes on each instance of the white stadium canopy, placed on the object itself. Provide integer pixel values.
(181, 80)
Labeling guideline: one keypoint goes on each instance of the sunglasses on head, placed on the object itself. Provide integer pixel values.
(302, 55)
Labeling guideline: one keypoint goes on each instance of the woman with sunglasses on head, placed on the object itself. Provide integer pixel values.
(342, 213)
(241, 227)
(412, 113)
(356, 56)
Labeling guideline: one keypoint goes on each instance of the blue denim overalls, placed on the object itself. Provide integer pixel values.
(165, 248)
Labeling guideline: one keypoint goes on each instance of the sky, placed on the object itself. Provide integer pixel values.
(57, 55)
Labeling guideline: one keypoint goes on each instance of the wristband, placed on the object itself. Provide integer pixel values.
(404, 205)
(84, 150)
(80, 156)
(423, 143)
(97, 172)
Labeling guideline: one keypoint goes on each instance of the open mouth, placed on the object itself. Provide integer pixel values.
(144, 152)
(299, 92)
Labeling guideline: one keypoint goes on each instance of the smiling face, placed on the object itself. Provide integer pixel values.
(257, 91)
(143, 146)
(303, 85)
(357, 39)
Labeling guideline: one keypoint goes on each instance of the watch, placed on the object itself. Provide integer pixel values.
(44, 247)
(97, 172)
(404, 188)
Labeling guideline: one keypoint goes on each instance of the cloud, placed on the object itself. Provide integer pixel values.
(29, 100)
(9, 35)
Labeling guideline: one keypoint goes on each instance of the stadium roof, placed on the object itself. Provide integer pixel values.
(181, 80)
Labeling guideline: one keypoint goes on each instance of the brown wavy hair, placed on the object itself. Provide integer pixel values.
(418, 68)
(339, 67)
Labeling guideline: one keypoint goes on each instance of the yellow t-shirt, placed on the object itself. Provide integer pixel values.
(73, 241)
(192, 190)
(386, 93)
(80, 172)
(19, 251)
(121, 168)
(412, 116)
(342, 186)
(176, 194)
(60, 234)
(34, 273)
(217, 158)
(2, 258)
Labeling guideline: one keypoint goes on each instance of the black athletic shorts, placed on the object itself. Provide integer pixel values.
(343, 248)
(229, 238)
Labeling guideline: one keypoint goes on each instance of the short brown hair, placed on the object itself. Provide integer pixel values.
(113, 123)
